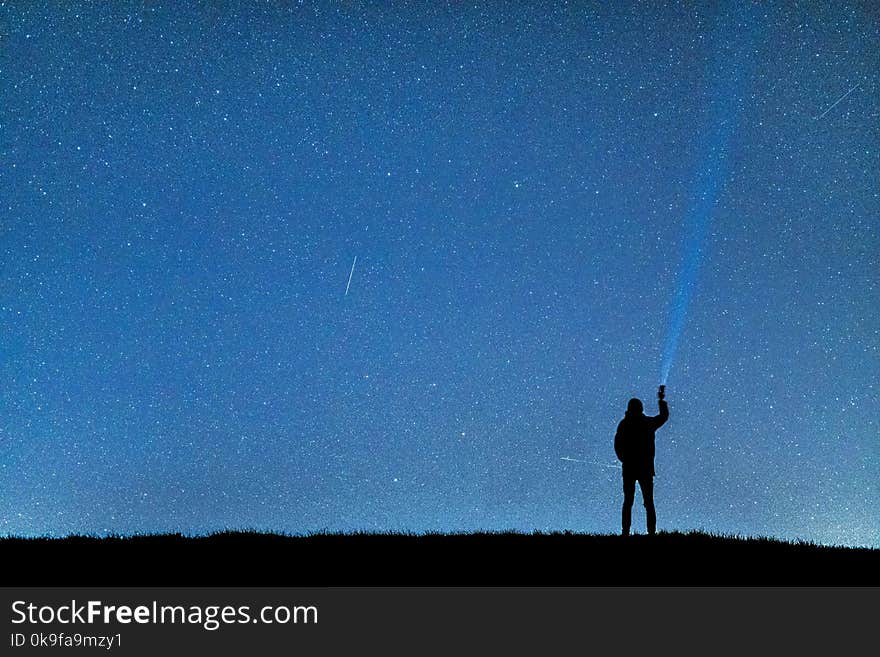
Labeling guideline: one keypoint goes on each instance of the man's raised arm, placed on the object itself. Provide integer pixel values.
(660, 420)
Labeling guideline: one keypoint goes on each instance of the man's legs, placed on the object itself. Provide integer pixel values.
(647, 486)
(629, 494)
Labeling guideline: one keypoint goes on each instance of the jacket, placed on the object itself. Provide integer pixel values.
(634, 442)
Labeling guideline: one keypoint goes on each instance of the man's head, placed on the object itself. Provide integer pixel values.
(635, 407)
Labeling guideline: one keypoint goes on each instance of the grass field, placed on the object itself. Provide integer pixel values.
(484, 559)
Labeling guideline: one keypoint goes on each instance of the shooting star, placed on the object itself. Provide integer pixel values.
(834, 104)
(350, 274)
(601, 465)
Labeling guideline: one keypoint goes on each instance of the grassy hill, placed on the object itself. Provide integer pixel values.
(485, 559)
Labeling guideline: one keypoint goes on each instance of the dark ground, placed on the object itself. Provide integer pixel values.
(561, 559)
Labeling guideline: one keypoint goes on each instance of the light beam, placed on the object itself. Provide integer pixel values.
(728, 78)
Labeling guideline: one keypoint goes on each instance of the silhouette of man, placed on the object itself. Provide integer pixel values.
(634, 446)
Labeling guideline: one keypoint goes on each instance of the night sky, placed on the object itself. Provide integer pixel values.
(538, 199)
